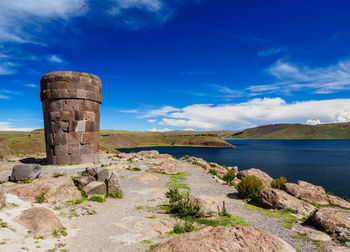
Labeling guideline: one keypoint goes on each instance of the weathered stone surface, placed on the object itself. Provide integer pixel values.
(25, 171)
(313, 233)
(71, 106)
(91, 171)
(235, 238)
(313, 194)
(113, 184)
(209, 205)
(333, 220)
(2, 198)
(205, 165)
(95, 187)
(167, 166)
(42, 221)
(149, 154)
(104, 175)
(278, 199)
(55, 189)
(266, 179)
(82, 181)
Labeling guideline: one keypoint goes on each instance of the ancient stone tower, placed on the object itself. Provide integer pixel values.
(71, 106)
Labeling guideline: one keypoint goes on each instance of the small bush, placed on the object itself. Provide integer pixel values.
(174, 195)
(186, 207)
(250, 188)
(213, 172)
(136, 169)
(278, 183)
(229, 177)
(40, 198)
(26, 181)
(185, 228)
(117, 195)
(97, 198)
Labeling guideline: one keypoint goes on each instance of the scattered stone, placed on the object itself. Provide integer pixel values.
(25, 171)
(167, 166)
(82, 181)
(209, 205)
(55, 189)
(91, 171)
(278, 199)
(113, 184)
(266, 179)
(42, 221)
(333, 220)
(236, 238)
(2, 198)
(104, 175)
(95, 187)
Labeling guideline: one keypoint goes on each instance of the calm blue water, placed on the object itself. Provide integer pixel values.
(321, 162)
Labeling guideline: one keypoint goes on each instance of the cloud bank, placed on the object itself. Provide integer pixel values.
(252, 113)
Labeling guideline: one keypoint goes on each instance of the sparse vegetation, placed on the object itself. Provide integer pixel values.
(317, 244)
(184, 228)
(97, 198)
(117, 195)
(229, 177)
(213, 172)
(3, 225)
(250, 188)
(278, 183)
(40, 198)
(152, 247)
(26, 181)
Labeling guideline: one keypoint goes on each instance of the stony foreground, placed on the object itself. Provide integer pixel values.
(47, 213)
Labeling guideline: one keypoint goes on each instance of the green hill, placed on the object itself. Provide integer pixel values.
(24, 144)
(296, 131)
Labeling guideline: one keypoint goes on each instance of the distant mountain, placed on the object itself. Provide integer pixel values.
(296, 131)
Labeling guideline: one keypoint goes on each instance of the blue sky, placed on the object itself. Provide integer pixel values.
(176, 64)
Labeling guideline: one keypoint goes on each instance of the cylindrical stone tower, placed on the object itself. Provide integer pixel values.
(71, 106)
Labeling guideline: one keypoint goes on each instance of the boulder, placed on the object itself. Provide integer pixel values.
(2, 198)
(278, 199)
(82, 181)
(236, 238)
(167, 166)
(149, 154)
(209, 205)
(313, 194)
(266, 179)
(104, 175)
(25, 171)
(55, 189)
(91, 171)
(41, 220)
(313, 233)
(113, 184)
(333, 220)
(95, 187)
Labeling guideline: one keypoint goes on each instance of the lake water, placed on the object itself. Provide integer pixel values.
(321, 162)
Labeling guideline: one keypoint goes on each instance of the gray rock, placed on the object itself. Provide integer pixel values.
(113, 184)
(91, 171)
(95, 187)
(104, 175)
(2, 198)
(25, 171)
(83, 180)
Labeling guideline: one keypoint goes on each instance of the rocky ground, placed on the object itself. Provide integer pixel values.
(48, 213)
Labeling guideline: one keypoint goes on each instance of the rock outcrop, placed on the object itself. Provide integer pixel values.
(40, 220)
(2, 198)
(54, 189)
(333, 220)
(266, 179)
(25, 171)
(205, 165)
(95, 187)
(167, 166)
(313, 194)
(209, 206)
(278, 199)
(237, 238)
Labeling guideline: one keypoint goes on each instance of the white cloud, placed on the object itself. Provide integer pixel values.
(131, 111)
(6, 126)
(160, 130)
(55, 59)
(313, 122)
(271, 51)
(258, 112)
(4, 97)
(150, 5)
(17, 16)
(151, 121)
(7, 68)
(159, 112)
(30, 85)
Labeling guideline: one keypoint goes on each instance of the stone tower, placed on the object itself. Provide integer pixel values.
(71, 106)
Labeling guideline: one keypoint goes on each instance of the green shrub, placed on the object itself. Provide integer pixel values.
(97, 198)
(229, 177)
(185, 228)
(186, 207)
(174, 194)
(213, 172)
(250, 188)
(278, 183)
(40, 198)
(117, 195)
